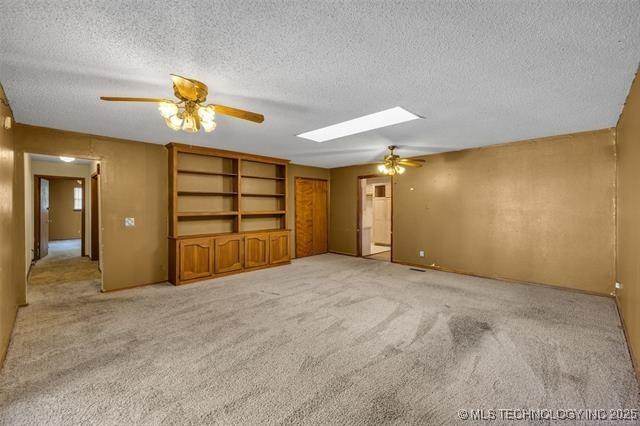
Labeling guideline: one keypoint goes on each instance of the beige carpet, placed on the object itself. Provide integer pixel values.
(326, 340)
(63, 264)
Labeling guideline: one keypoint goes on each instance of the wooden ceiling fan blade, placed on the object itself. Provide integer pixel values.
(239, 113)
(128, 99)
(189, 89)
(411, 163)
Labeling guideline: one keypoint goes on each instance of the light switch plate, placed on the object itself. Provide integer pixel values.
(421, 253)
(129, 221)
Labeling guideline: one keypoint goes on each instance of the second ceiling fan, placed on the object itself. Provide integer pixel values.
(190, 113)
(392, 164)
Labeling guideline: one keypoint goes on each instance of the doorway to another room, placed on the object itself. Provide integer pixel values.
(374, 217)
(62, 228)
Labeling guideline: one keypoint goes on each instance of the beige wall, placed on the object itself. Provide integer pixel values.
(296, 170)
(628, 264)
(539, 211)
(133, 183)
(8, 300)
(65, 223)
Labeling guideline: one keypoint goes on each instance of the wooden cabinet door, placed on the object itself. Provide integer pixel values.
(196, 258)
(279, 247)
(256, 250)
(228, 254)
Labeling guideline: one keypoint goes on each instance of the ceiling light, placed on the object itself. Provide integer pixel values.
(167, 109)
(174, 122)
(393, 165)
(189, 124)
(385, 118)
(67, 159)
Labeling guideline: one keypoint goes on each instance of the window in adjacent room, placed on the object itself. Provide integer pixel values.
(77, 199)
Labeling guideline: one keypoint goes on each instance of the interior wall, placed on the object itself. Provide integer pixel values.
(8, 300)
(296, 170)
(133, 184)
(628, 256)
(65, 223)
(49, 168)
(28, 208)
(538, 211)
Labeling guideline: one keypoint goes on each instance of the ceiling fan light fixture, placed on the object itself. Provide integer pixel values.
(174, 122)
(207, 113)
(189, 124)
(167, 109)
(208, 126)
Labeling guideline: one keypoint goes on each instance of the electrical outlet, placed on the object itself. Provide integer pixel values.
(129, 221)
(618, 285)
(421, 253)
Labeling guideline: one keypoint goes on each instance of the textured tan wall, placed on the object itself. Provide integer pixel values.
(134, 183)
(296, 170)
(628, 265)
(64, 222)
(539, 211)
(8, 306)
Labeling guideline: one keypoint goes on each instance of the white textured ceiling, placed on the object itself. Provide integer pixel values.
(480, 72)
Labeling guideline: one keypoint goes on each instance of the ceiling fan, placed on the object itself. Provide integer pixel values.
(393, 164)
(189, 113)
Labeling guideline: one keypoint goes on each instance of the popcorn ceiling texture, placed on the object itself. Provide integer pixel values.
(480, 72)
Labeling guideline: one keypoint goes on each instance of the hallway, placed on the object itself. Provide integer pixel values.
(64, 264)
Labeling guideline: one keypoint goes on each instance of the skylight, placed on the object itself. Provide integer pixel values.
(385, 118)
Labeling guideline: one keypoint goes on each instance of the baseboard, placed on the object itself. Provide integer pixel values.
(5, 349)
(342, 253)
(497, 278)
(634, 361)
(102, 290)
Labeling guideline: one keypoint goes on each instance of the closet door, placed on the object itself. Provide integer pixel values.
(311, 216)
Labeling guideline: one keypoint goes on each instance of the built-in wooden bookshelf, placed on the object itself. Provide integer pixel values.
(217, 194)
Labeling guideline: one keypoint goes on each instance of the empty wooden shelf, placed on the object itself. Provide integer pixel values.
(227, 212)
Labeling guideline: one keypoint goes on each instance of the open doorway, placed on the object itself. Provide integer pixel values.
(374, 217)
(59, 216)
(62, 215)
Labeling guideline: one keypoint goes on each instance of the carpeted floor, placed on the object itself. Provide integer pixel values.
(63, 264)
(328, 339)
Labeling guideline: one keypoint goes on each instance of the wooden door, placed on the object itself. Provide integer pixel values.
(256, 250)
(95, 231)
(43, 241)
(279, 247)
(228, 254)
(311, 217)
(196, 258)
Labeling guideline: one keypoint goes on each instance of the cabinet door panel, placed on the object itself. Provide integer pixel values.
(279, 247)
(256, 250)
(196, 258)
(228, 254)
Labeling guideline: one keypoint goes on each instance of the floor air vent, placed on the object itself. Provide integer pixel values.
(417, 270)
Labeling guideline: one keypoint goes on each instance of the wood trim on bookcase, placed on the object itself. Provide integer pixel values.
(192, 149)
(173, 193)
(200, 211)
